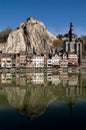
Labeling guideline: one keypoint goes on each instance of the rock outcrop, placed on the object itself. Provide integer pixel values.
(31, 36)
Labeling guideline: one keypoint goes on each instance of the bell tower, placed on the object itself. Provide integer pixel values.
(71, 33)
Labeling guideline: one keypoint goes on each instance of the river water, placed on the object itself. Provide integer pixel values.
(30, 101)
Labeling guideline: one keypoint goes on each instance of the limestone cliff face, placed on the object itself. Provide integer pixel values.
(31, 36)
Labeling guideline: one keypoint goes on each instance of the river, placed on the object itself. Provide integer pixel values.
(49, 100)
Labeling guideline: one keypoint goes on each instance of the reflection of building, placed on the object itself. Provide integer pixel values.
(6, 78)
(29, 76)
(56, 79)
(49, 76)
(64, 78)
(38, 78)
(17, 79)
(73, 80)
(83, 64)
(21, 80)
(34, 99)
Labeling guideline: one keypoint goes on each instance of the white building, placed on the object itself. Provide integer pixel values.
(49, 77)
(38, 78)
(73, 59)
(49, 62)
(6, 62)
(3, 62)
(56, 61)
(9, 62)
(6, 78)
(56, 79)
(64, 61)
(38, 61)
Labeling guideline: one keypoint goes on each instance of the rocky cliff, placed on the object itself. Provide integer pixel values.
(30, 36)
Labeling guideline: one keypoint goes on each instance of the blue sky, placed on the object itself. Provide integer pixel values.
(55, 14)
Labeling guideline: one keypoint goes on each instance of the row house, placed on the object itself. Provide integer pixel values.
(73, 60)
(0, 58)
(17, 60)
(56, 61)
(38, 61)
(49, 63)
(6, 61)
(64, 61)
(22, 59)
(83, 63)
(29, 63)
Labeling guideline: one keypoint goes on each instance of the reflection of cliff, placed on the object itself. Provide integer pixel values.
(37, 99)
(32, 99)
(14, 95)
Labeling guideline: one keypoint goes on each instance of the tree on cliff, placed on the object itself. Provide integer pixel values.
(4, 34)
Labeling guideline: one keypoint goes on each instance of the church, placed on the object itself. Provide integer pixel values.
(73, 45)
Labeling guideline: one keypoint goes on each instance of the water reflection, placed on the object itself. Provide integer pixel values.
(35, 94)
(23, 79)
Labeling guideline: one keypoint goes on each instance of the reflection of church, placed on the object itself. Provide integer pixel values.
(73, 45)
(28, 94)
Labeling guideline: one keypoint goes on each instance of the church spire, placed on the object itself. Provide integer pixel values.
(71, 32)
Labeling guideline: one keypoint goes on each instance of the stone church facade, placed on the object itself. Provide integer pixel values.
(73, 45)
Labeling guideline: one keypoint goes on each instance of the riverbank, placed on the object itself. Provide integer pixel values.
(39, 70)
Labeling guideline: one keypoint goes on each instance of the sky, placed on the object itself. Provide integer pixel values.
(55, 14)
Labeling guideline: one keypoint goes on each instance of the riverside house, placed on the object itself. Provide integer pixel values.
(49, 63)
(22, 59)
(17, 60)
(64, 61)
(73, 60)
(6, 61)
(38, 61)
(83, 63)
(56, 61)
(0, 58)
(29, 63)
